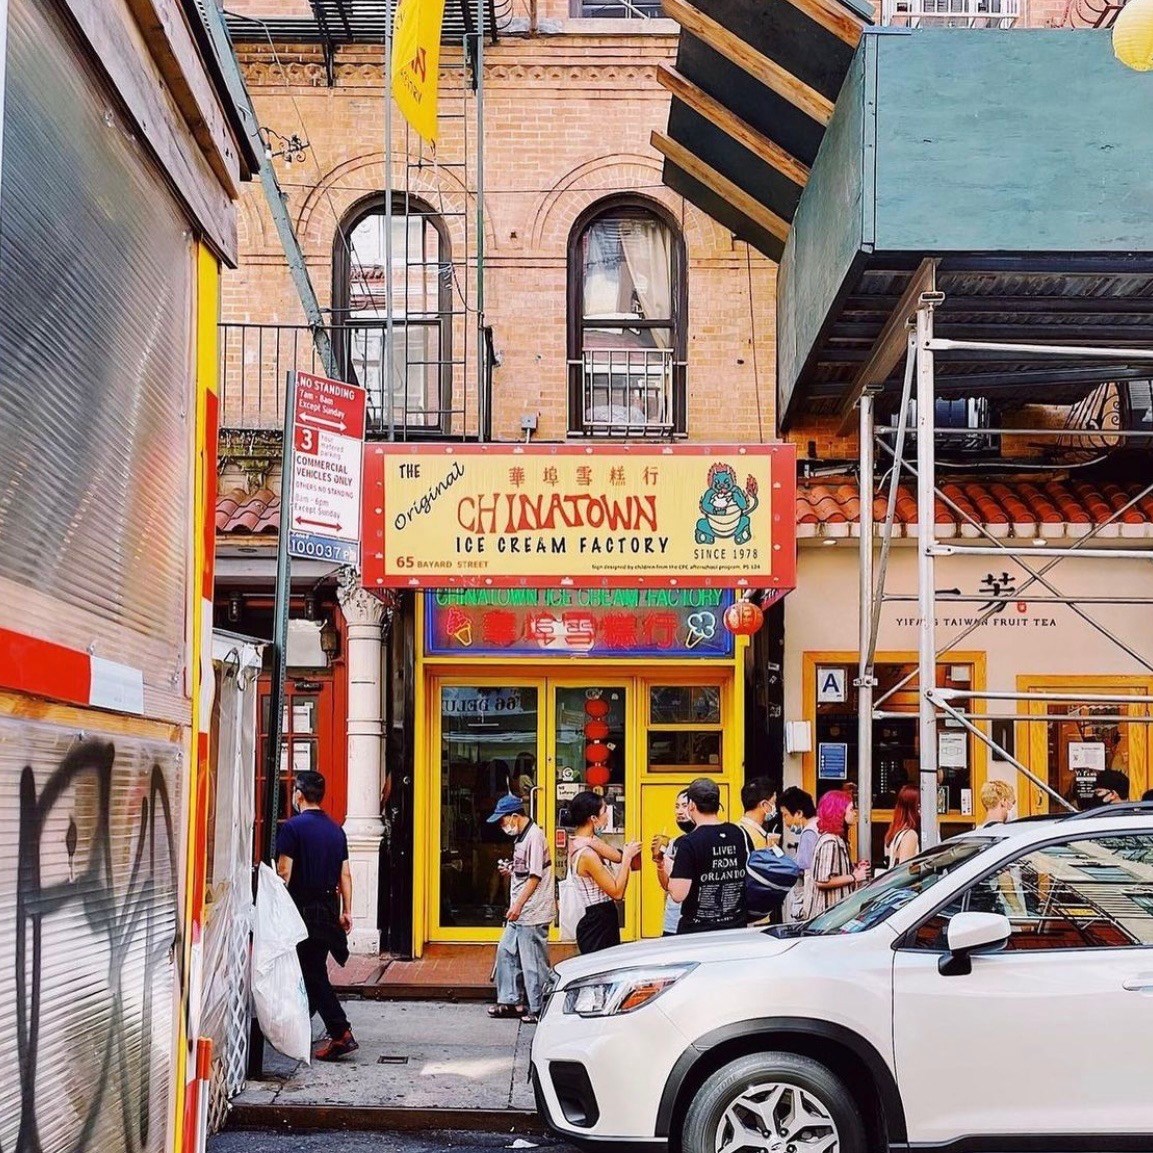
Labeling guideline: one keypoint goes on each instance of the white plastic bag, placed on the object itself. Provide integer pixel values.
(277, 984)
(570, 902)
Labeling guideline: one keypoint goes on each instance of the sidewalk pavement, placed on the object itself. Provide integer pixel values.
(421, 1064)
(444, 973)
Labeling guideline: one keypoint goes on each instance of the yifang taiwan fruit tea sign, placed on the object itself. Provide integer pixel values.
(541, 516)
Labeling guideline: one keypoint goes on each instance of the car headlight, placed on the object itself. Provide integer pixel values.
(610, 994)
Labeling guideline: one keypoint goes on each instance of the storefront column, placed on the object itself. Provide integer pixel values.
(365, 616)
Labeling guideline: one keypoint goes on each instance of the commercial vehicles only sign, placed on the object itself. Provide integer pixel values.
(327, 469)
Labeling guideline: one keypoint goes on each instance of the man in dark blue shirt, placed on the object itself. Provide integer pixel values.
(313, 862)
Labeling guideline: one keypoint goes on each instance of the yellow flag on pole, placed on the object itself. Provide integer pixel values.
(416, 62)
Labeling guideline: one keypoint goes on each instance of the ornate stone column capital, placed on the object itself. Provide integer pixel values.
(360, 607)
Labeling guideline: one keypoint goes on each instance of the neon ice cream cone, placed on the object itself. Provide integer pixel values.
(459, 627)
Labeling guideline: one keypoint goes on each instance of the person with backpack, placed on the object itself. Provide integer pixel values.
(759, 801)
(591, 890)
(708, 874)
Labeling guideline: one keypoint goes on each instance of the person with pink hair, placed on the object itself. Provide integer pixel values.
(833, 876)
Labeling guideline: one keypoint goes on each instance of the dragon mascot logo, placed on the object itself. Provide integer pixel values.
(726, 507)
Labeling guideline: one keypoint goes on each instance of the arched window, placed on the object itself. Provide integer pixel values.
(418, 398)
(627, 330)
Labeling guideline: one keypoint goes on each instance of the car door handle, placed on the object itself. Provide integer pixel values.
(1142, 983)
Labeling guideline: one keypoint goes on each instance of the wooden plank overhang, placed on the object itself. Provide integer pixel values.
(753, 91)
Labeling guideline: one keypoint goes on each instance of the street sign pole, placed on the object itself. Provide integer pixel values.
(275, 726)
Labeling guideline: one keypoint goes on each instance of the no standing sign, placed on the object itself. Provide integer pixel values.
(327, 463)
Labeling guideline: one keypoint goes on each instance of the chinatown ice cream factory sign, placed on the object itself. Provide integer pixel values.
(567, 516)
(656, 622)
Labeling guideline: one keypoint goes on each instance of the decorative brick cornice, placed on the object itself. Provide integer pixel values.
(600, 74)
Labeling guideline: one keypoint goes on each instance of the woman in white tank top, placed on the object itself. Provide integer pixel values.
(600, 887)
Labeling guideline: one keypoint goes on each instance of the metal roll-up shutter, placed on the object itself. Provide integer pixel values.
(96, 304)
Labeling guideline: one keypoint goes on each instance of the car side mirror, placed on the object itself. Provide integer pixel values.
(971, 933)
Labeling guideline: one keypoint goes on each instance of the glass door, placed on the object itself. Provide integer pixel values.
(591, 728)
(1080, 739)
(306, 743)
(489, 740)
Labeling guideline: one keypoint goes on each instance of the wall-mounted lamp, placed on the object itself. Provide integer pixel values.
(330, 640)
(235, 604)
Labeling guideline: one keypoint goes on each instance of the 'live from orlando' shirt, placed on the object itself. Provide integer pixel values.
(713, 858)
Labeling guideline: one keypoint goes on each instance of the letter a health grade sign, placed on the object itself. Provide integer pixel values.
(327, 469)
(555, 516)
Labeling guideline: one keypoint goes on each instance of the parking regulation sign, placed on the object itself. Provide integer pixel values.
(327, 465)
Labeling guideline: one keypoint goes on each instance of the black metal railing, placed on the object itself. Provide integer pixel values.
(424, 396)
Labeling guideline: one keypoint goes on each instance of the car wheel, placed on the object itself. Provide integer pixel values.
(773, 1103)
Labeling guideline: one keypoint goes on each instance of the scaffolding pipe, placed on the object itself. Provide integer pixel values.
(1098, 433)
(1039, 551)
(1073, 351)
(926, 522)
(980, 598)
(1035, 575)
(1070, 698)
(1003, 753)
(865, 680)
(1034, 718)
(894, 487)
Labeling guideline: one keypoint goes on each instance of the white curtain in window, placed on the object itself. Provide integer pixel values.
(647, 248)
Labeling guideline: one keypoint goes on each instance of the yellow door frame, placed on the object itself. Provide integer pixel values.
(810, 662)
(1033, 739)
(633, 674)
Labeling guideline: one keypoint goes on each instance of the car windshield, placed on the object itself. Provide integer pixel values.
(880, 899)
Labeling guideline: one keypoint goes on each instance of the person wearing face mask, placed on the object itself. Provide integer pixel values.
(800, 815)
(664, 853)
(522, 955)
(759, 801)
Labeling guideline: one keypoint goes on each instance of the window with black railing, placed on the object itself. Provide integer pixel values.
(627, 306)
(411, 390)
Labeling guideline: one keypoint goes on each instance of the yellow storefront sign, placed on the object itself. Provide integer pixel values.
(567, 515)
(416, 63)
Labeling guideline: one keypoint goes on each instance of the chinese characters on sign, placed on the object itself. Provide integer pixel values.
(327, 466)
(580, 517)
(596, 622)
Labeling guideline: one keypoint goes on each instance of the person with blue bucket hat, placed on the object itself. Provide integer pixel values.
(522, 965)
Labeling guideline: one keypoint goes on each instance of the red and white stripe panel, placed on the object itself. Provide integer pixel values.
(44, 669)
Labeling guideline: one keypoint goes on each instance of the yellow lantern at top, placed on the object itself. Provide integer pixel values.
(1133, 35)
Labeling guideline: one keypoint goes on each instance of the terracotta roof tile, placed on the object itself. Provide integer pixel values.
(1026, 508)
(243, 512)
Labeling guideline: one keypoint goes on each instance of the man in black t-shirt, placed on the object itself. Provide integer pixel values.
(708, 876)
(312, 860)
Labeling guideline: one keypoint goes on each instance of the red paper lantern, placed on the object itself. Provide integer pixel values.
(596, 731)
(597, 776)
(596, 753)
(597, 707)
(744, 618)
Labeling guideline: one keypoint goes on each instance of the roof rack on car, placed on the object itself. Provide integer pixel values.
(1120, 809)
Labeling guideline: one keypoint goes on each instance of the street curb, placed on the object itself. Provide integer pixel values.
(381, 1119)
(454, 994)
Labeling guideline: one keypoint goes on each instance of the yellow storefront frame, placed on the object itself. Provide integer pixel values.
(812, 660)
(1033, 739)
(635, 675)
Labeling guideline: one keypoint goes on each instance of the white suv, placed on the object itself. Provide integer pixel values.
(994, 993)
